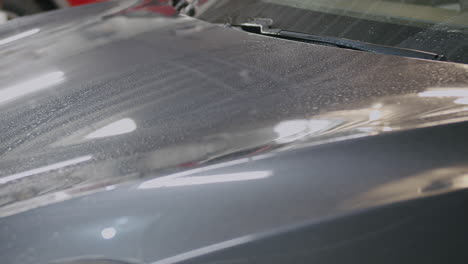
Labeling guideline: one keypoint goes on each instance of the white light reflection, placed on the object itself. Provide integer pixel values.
(61, 196)
(119, 127)
(202, 169)
(208, 168)
(444, 93)
(32, 85)
(19, 36)
(108, 233)
(291, 130)
(461, 182)
(375, 115)
(462, 101)
(51, 167)
(377, 105)
(110, 188)
(198, 180)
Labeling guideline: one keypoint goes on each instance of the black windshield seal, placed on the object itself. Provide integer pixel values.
(261, 26)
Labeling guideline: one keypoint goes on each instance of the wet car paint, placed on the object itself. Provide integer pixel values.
(133, 135)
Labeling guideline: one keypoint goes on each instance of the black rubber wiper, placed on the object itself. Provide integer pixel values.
(263, 26)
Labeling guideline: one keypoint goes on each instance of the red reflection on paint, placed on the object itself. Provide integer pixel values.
(83, 2)
(163, 7)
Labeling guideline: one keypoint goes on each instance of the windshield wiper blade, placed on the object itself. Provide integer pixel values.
(263, 26)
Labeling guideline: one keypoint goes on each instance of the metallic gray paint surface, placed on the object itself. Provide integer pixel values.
(121, 108)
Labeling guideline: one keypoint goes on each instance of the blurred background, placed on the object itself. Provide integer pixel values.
(15, 8)
(9, 9)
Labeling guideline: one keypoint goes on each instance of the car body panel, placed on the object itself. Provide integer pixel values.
(134, 134)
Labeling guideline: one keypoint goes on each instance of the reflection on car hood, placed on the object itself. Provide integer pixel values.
(121, 104)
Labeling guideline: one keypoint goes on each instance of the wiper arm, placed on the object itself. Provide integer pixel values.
(263, 26)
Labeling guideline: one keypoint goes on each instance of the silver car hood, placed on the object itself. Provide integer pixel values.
(133, 133)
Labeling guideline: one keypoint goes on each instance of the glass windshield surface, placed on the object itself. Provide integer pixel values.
(438, 26)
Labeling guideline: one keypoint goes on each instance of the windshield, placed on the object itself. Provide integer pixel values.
(438, 26)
